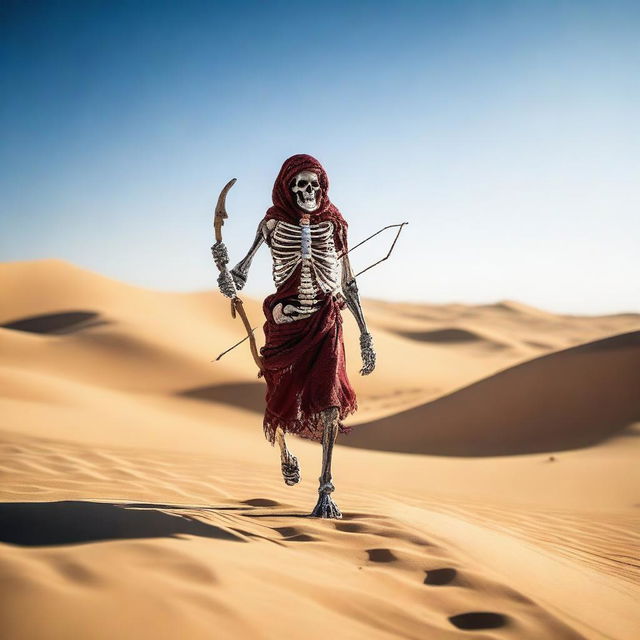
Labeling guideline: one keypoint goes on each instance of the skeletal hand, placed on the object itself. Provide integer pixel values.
(220, 255)
(226, 285)
(368, 354)
(239, 277)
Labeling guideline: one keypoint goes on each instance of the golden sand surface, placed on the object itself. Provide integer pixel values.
(490, 487)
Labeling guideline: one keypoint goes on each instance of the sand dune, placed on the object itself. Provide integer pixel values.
(151, 342)
(139, 499)
(568, 399)
(527, 331)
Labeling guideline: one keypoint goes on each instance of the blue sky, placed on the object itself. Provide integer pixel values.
(505, 132)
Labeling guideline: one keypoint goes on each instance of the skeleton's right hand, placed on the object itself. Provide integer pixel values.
(226, 285)
(239, 277)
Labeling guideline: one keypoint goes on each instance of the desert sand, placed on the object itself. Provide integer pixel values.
(490, 487)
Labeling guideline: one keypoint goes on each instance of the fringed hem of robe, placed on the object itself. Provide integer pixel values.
(309, 427)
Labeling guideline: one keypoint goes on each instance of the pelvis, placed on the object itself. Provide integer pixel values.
(290, 313)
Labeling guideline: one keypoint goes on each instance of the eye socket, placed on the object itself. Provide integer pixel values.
(302, 183)
(315, 184)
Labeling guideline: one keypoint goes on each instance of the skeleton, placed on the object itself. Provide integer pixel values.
(312, 247)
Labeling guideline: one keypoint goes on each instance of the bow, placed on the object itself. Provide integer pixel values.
(400, 227)
(221, 258)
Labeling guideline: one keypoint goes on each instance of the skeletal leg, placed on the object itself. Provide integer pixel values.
(326, 507)
(288, 462)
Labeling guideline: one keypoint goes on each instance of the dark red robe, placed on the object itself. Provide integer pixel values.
(304, 360)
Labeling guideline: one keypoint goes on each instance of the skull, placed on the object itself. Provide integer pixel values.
(307, 190)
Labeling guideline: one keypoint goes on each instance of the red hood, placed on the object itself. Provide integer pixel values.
(284, 206)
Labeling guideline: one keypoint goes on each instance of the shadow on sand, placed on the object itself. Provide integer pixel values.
(76, 522)
(57, 323)
(246, 395)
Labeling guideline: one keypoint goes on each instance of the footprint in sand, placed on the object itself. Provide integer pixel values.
(292, 534)
(440, 577)
(351, 527)
(381, 555)
(478, 620)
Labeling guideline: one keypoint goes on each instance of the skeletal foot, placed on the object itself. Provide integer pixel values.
(290, 470)
(326, 507)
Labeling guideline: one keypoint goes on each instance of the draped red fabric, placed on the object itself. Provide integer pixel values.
(304, 361)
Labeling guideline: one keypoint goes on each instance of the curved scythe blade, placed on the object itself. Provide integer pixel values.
(221, 209)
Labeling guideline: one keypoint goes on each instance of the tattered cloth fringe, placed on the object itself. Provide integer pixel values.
(306, 426)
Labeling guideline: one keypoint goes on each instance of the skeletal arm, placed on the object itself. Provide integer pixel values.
(231, 281)
(240, 272)
(351, 295)
(352, 298)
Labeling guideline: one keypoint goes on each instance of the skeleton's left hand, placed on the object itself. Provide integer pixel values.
(368, 354)
(220, 255)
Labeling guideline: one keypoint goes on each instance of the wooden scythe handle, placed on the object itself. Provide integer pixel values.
(239, 307)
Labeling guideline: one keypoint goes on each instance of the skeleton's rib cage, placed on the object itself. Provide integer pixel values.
(318, 252)
(313, 246)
